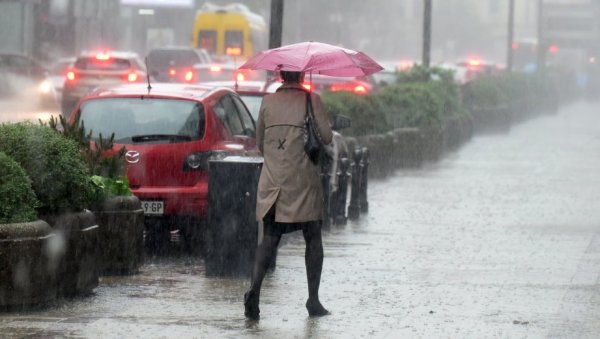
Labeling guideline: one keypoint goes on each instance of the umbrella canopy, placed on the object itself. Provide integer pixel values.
(314, 57)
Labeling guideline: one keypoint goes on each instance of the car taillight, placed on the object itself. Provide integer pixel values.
(172, 72)
(199, 161)
(240, 77)
(102, 56)
(307, 85)
(189, 76)
(71, 76)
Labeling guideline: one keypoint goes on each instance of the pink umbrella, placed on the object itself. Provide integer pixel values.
(314, 57)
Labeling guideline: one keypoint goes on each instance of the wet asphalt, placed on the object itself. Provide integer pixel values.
(500, 239)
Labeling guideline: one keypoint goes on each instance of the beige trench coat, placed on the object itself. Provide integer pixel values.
(289, 180)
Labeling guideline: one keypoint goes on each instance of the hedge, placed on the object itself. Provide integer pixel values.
(60, 178)
(17, 200)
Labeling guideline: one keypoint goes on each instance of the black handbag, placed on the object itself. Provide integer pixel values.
(313, 143)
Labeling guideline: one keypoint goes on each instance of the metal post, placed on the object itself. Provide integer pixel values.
(339, 213)
(426, 33)
(354, 208)
(364, 172)
(510, 39)
(276, 25)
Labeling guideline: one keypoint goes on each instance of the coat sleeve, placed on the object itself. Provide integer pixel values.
(322, 122)
(260, 128)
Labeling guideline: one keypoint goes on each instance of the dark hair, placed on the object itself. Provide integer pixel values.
(291, 77)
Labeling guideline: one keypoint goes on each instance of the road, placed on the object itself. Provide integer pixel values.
(499, 239)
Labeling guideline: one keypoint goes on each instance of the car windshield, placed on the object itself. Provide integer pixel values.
(253, 103)
(148, 120)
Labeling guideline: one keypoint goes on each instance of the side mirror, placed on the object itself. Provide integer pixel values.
(341, 122)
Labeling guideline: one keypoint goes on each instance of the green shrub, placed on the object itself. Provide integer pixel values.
(17, 200)
(59, 175)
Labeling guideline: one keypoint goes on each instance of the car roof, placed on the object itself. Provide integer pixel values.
(180, 91)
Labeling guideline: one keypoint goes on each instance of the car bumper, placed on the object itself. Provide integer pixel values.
(177, 201)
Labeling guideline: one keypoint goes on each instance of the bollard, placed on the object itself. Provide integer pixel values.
(339, 210)
(354, 208)
(364, 174)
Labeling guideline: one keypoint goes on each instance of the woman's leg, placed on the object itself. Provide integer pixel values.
(264, 256)
(313, 259)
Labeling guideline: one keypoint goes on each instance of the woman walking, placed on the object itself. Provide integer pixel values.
(290, 194)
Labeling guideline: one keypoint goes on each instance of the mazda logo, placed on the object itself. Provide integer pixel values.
(132, 157)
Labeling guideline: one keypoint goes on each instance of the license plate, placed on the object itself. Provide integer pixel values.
(153, 207)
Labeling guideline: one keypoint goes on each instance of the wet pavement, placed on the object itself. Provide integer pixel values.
(499, 239)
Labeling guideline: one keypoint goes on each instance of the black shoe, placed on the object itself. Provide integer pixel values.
(251, 310)
(315, 309)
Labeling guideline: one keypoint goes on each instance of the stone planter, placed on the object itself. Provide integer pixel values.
(79, 270)
(121, 233)
(27, 265)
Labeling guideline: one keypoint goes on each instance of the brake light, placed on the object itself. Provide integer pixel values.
(308, 86)
(360, 89)
(172, 72)
(102, 56)
(70, 75)
(132, 77)
(515, 45)
(474, 63)
(215, 68)
(240, 77)
(553, 48)
(189, 76)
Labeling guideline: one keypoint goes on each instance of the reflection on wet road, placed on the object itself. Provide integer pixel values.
(500, 239)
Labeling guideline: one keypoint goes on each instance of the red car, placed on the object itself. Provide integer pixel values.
(170, 133)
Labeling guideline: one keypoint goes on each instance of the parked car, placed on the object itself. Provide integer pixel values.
(170, 134)
(23, 76)
(92, 70)
(471, 69)
(175, 64)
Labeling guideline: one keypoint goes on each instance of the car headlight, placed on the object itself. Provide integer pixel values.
(45, 87)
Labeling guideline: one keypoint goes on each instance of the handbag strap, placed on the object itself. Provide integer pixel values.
(311, 118)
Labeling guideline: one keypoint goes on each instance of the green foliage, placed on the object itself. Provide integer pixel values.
(111, 187)
(99, 155)
(60, 178)
(17, 199)
(105, 164)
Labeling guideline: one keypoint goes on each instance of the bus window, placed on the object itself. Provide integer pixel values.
(208, 41)
(234, 43)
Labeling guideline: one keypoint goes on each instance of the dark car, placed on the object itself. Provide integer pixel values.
(170, 134)
(22, 76)
(91, 70)
(175, 64)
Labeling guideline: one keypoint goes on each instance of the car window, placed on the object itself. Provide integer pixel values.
(208, 41)
(249, 127)
(129, 117)
(167, 58)
(94, 64)
(228, 113)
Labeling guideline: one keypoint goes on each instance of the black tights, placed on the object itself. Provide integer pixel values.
(313, 259)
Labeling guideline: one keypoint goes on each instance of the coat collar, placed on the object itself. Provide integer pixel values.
(291, 86)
